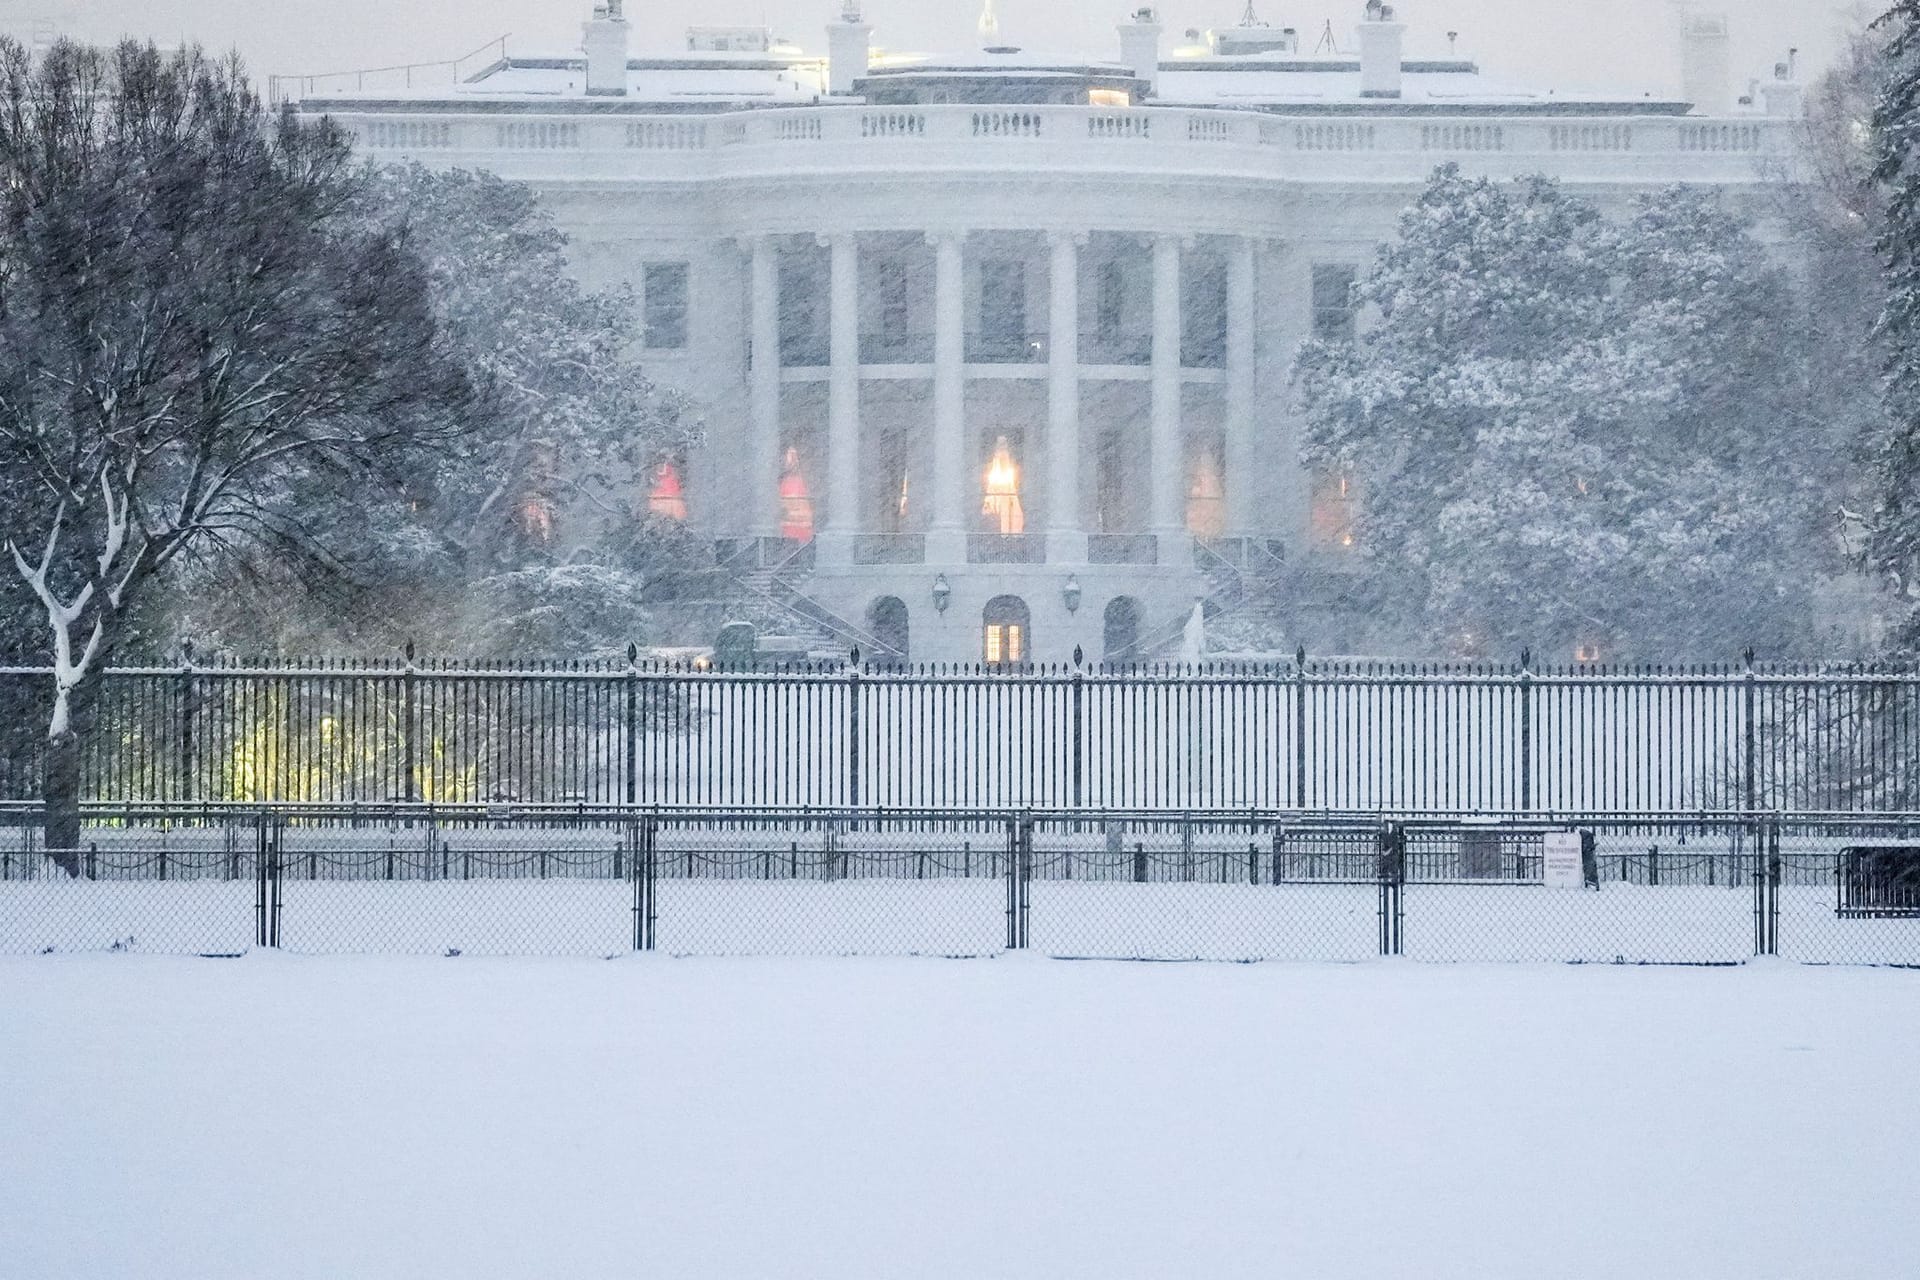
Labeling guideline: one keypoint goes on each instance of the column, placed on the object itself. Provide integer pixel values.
(843, 404)
(764, 473)
(1167, 459)
(1242, 352)
(1066, 540)
(947, 512)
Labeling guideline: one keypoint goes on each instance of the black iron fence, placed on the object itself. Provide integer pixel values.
(1306, 735)
(1654, 889)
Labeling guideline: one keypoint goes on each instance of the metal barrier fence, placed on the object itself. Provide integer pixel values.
(1305, 735)
(1661, 889)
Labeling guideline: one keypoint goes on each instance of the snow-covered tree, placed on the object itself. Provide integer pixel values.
(1567, 431)
(473, 549)
(190, 312)
(1895, 546)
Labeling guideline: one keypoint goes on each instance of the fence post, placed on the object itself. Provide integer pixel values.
(189, 708)
(260, 881)
(1750, 781)
(632, 790)
(1526, 731)
(1013, 884)
(408, 730)
(1025, 916)
(1393, 878)
(853, 731)
(1079, 729)
(1774, 871)
(1300, 728)
(276, 899)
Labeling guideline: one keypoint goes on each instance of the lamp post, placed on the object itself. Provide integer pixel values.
(942, 593)
(1071, 593)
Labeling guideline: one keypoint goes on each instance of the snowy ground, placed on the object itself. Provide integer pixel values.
(300, 1117)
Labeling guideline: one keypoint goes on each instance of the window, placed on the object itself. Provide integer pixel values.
(1110, 302)
(668, 498)
(1207, 497)
(1203, 325)
(1003, 309)
(1333, 311)
(802, 333)
(665, 294)
(890, 285)
(796, 501)
(1009, 632)
(1332, 514)
(1109, 98)
(1000, 509)
(1121, 632)
(887, 623)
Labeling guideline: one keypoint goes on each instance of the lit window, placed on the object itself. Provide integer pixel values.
(1109, 98)
(664, 291)
(1001, 510)
(1008, 631)
(1005, 644)
(1331, 518)
(1333, 312)
(1587, 653)
(536, 519)
(668, 498)
(1206, 499)
(796, 502)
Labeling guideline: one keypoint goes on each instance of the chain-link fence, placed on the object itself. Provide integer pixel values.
(1671, 890)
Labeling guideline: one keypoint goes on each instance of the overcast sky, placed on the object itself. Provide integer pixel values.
(1613, 44)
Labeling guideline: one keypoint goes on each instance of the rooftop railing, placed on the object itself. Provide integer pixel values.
(591, 139)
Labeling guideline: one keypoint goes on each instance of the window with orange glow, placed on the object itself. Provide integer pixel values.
(796, 502)
(668, 498)
(1109, 98)
(1332, 515)
(1000, 486)
(1207, 499)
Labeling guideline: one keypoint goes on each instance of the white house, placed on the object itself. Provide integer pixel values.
(994, 350)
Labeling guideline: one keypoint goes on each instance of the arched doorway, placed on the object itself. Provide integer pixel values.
(1122, 634)
(887, 623)
(1009, 632)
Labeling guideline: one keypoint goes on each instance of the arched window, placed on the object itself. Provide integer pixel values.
(887, 623)
(1122, 634)
(1009, 632)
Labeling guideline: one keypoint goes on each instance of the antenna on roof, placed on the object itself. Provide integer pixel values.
(1327, 43)
(1250, 18)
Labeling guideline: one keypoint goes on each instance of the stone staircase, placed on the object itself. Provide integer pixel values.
(776, 603)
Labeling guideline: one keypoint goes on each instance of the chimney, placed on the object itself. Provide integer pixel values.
(1140, 48)
(848, 49)
(1706, 63)
(1382, 41)
(604, 38)
(1784, 96)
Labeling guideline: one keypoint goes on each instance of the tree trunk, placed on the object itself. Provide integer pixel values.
(66, 753)
(61, 792)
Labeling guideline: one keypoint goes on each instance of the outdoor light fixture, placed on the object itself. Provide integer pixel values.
(1071, 593)
(942, 593)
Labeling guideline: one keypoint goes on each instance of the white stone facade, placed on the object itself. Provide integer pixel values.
(1107, 271)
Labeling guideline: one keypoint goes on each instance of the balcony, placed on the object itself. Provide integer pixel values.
(999, 548)
(1006, 348)
(1123, 548)
(890, 548)
(896, 348)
